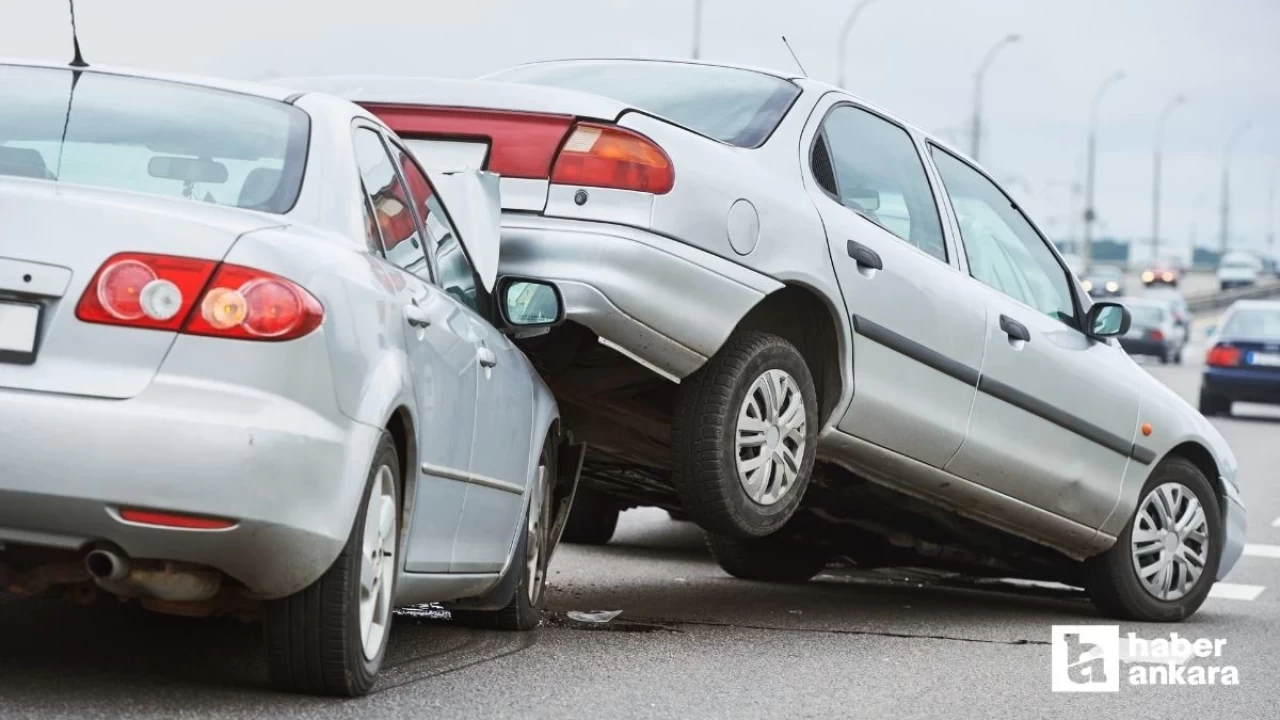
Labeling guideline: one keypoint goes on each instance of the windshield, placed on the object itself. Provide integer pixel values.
(151, 136)
(1253, 324)
(1106, 272)
(739, 107)
(1146, 315)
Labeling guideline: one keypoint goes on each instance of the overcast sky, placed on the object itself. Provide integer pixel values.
(914, 57)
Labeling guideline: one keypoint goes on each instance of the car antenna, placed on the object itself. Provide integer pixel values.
(78, 60)
(793, 56)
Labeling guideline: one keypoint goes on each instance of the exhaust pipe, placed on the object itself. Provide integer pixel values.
(170, 581)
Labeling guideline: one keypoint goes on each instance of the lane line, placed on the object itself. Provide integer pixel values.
(1263, 551)
(1233, 591)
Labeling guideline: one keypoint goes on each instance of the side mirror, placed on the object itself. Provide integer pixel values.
(1107, 319)
(529, 307)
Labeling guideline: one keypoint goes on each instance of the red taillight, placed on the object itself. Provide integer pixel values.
(150, 291)
(1223, 356)
(611, 157)
(1155, 335)
(254, 305)
(161, 292)
(173, 520)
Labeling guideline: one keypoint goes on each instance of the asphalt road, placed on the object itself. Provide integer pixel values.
(690, 643)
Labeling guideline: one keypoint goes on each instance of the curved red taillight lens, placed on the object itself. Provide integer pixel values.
(199, 297)
(611, 157)
(1223, 356)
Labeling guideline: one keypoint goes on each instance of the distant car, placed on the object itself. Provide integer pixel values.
(1104, 281)
(1244, 363)
(1162, 272)
(1176, 302)
(250, 362)
(1239, 269)
(1153, 331)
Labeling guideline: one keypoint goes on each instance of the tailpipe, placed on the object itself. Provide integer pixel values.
(169, 581)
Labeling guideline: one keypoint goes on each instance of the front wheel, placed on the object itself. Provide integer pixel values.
(1166, 560)
(769, 559)
(330, 638)
(744, 436)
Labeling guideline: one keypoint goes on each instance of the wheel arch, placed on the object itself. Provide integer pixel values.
(1200, 456)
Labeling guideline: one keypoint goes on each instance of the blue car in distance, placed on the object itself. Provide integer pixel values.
(1244, 363)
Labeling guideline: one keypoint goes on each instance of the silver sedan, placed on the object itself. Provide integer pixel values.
(249, 361)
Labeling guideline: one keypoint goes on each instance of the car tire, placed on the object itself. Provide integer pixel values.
(1113, 578)
(593, 518)
(533, 553)
(316, 642)
(743, 381)
(768, 559)
(1164, 357)
(1213, 405)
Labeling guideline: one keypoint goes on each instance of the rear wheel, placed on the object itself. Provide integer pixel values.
(743, 436)
(1166, 560)
(592, 519)
(1212, 405)
(330, 638)
(770, 559)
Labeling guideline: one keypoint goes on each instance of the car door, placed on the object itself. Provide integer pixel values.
(1054, 421)
(497, 470)
(918, 333)
(440, 341)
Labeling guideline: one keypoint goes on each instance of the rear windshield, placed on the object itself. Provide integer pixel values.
(738, 107)
(1253, 324)
(1146, 315)
(151, 136)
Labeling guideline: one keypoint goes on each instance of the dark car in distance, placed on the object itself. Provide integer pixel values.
(1244, 363)
(1104, 281)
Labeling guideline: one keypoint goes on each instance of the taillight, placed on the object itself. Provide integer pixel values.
(174, 520)
(1155, 335)
(612, 157)
(149, 291)
(254, 305)
(1223, 356)
(161, 292)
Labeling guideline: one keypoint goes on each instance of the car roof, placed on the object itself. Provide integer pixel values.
(667, 61)
(236, 86)
(1254, 305)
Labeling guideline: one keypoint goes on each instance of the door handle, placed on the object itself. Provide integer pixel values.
(864, 256)
(417, 316)
(1014, 329)
(486, 358)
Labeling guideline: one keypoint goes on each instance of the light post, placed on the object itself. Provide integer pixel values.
(976, 140)
(1271, 210)
(1225, 231)
(845, 30)
(1156, 174)
(697, 29)
(1090, 214)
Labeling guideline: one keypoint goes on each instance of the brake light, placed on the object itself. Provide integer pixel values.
(173, 520)
(254, 305)
(141, 290)
(160, 292)
(612, 157)
(1223, 356)
(1155, 335)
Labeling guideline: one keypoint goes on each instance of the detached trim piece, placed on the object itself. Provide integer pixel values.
(472, 478)
(926, 356)
(882, 335)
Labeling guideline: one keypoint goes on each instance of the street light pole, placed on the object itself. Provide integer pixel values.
(976, 140)
(1091, 160)
(697, 29)
(844, 39)
(1156, 175)
(1271, 210)
(1224, 237)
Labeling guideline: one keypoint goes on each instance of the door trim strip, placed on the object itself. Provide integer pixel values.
(472, 478)
(882, 335)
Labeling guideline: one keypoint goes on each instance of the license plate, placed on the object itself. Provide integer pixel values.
(1260, 358)
(19, 326)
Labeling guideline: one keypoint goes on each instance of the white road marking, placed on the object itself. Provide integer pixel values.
(1233, 591)
(1264, 551)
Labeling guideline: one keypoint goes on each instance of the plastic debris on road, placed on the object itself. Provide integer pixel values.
(593, 616)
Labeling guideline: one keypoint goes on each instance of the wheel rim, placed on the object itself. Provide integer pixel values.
(1170, 543)
(378, 562)
(771, 437)
(534, 569)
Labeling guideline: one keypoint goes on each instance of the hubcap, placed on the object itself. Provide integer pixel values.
(771, 437)
(1170, 543)
(378, 562)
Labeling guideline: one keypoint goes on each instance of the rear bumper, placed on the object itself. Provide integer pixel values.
(1234, 526)
(663, 302)
(290, 478)
(1242, 385)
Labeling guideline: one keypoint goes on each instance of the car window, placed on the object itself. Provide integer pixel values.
(456, 275)
(401, 240)
(1253, 324)
(1004, 250)
(880, 176)
(1146, 315)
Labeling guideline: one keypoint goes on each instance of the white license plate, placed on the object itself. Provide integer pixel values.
(18, 324)
(1258, 358)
